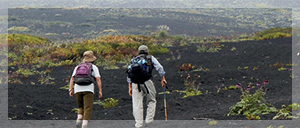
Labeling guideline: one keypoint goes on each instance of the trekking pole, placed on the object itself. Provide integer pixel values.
(165, 103)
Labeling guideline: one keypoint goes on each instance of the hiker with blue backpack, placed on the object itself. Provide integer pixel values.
(82, 85)
(140, 83)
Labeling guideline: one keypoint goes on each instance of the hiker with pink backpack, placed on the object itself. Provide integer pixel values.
(82, 85)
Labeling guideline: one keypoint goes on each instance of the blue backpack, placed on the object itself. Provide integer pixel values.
(140, 69)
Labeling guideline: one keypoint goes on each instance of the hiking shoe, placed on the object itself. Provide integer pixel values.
(149, 122)
(148, 125)
(138, 127)
(78, 123)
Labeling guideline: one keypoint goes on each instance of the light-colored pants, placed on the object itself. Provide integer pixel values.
(137, 102)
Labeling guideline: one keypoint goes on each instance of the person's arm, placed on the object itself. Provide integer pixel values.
(130, 89)
(71, 90)
(129, 86)
(99, 83)
(163, 81)
(160, 70)
(98, 80)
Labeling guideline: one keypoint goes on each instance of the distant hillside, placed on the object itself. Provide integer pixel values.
(72, 24)
(152, 3)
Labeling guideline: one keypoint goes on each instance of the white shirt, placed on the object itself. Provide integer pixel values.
(88, 88)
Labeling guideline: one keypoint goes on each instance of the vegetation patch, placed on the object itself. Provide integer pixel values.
(286, 112)
(273, 33)
(27, 52)
(185, 67)
(208, 47)
(107, 103)
(19, 29)
(192, 89)
(252, 105)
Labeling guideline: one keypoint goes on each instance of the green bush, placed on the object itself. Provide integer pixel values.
(108, 102)
(208, 48)
(75, 110)
(252, 105)
(26, 49)
(162, 34)
(66, 87)
(274, 36)
(273, 33)
(232, 87)
(191, 88)
(26, 72)
(286, 112)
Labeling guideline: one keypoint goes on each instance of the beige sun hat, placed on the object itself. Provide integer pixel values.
(143, 48)
(88, 56)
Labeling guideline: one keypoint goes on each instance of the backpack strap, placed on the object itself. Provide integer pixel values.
(146, 88)
(139, 88)
(149, 58)
(91, 66)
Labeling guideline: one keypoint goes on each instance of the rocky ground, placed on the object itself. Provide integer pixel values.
(32, 101)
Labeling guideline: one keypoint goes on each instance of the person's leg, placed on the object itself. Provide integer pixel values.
(137, 105)
(151, 101)
(79, 97)
(88, 99)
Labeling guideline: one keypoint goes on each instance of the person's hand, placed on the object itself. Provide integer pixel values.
(100, 95)
(130, 92)
(71, 92)
(163, 82)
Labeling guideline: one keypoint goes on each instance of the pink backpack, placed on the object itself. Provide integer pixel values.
(84, 75)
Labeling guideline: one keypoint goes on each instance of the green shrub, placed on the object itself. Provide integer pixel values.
(156, 50)
(66, 87)
(108, 102)
(17, 42)
(232, 87)
(208, 47)
(192, 93)
(26, 72)
(286, 112)
(233, 49)
(191, 88)
(273, 33)
(162, 34)
(75, 110)
(274, 36)
(252, 105)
